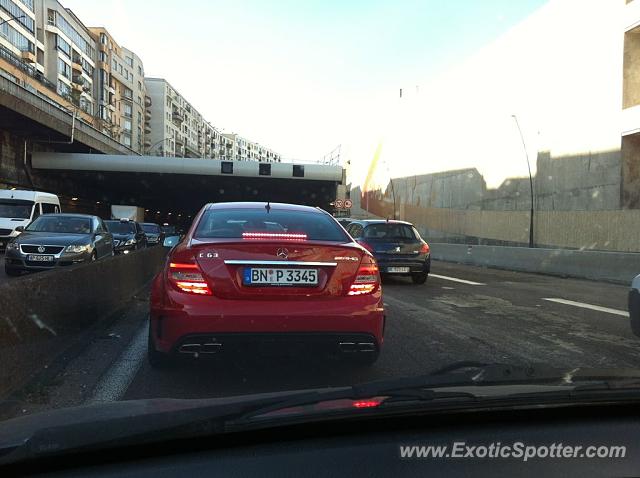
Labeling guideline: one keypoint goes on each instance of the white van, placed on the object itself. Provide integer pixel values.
(19, 208)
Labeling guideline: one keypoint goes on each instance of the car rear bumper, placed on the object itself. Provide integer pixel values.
(415, 266)
(282, 344)
(287, 320)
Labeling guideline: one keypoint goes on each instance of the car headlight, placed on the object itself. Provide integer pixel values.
(130, 242)
(12, 246)
(78, 249)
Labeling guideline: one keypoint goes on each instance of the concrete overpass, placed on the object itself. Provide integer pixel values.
(183, 185)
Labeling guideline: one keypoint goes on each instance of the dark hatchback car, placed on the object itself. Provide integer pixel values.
(154, 234)
(127, 235)
(58, 240)
(396, 245)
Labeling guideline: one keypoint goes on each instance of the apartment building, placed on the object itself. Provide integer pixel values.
(178, 129)
(69, 53)
(47, 54)
(243, 149)
(120, 91)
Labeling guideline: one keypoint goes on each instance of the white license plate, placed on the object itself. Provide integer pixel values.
(398, 270)
(276, 276)
(39, 258)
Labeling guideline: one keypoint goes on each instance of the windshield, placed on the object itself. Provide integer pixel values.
(389, 231)
(331, 193)
(152, 228)
(238, 223)
(61, 224)
(15, 208)
(118, 227)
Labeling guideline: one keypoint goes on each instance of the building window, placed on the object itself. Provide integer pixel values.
(129, 60)
(103, 39)
(126, 140)
(140, 71)
(139, 86)
(12, 8)
(63, 89)
(127, 110)
(115, 65)
(139, 101)
(127, 125)
(16, 38)
(127, 93)
(64, 69)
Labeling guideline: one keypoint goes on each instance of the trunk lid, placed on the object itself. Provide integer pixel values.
(223, 263)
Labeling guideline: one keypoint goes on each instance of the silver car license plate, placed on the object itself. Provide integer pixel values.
(397, 270)
(39, 258)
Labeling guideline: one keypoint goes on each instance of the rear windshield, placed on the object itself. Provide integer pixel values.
(232, 223)
(117, 227)
(389, 231)
(152, 228)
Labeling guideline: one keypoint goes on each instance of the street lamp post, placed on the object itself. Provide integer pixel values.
(530, 181)
(156, 144)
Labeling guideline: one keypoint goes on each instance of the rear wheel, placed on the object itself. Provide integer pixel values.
(156, 359)
(419, 277)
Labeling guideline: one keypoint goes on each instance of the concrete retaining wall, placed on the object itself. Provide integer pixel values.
(40, 314)
(608, 266)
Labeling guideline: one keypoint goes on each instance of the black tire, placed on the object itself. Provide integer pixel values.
(12, 272)
(419, 277)
(157, 360)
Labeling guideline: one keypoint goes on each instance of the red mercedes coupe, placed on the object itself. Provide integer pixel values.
(266, 278)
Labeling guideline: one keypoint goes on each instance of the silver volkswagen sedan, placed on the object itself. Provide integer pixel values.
(58, 240)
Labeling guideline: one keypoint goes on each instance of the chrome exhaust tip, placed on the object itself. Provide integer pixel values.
(190, 349)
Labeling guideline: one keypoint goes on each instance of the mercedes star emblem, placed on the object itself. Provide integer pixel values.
(282, 253)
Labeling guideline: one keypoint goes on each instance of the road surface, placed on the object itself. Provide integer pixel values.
(462, 313)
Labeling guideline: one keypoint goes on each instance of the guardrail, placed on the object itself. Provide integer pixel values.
(41, 314)
(618, 267)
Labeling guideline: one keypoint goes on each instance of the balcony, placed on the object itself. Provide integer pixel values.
(28, 56)
(147, 129)
(147, 115)
(147, 101)
(179, 140)
(76, 64)
(177, 116)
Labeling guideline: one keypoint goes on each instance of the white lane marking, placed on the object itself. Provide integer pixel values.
(454, 279)
(448, 288)
(607, 310)
(116, 380)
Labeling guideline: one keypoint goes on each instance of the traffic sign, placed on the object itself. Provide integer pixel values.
(348, 203)
(339, 203)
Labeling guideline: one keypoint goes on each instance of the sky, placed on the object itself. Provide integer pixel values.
(301, 77)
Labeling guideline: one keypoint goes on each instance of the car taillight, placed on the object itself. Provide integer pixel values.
(275, 235)
(187, 277)
(367, 278)
(424, 249)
